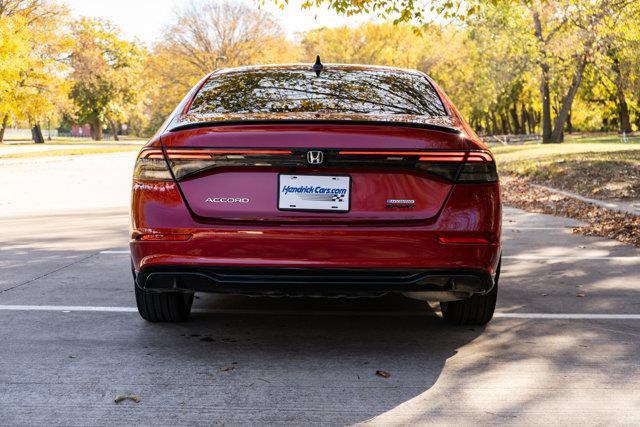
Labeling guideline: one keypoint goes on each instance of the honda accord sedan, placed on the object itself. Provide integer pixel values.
(316, 180)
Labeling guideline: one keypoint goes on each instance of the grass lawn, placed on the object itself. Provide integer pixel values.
(75, 141)
(72, 151)
(597, 167)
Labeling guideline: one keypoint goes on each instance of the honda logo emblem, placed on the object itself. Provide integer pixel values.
(315, 157)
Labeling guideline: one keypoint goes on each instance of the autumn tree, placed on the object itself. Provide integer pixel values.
(105, 74)
(398, 11)
(206, 35)
(615, 77)
(483, 65)
(369, 43)
(32, 63)
(560, 39)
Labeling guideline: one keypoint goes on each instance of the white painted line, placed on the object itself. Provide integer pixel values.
(67, 308)
(423, 313)
(568, 228)
(560, 258)
(498, 315)
(571, 316)
(115, 252)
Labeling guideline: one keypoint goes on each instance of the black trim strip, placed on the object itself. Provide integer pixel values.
(334, 164)
(311, 281)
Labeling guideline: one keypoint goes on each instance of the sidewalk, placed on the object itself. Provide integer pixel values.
(632, 207)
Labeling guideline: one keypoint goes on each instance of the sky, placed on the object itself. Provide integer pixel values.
(145, 19)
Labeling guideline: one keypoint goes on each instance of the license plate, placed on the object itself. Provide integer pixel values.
(314, 193)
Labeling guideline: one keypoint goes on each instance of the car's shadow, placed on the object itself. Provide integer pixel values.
(311, 360)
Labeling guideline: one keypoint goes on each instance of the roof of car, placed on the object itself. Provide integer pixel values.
(308, 67)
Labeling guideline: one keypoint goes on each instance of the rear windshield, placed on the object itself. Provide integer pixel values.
(334, 91)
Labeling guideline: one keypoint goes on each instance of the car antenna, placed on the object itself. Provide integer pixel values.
(317, 67)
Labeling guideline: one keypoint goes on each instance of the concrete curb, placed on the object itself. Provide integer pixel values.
(624, 207)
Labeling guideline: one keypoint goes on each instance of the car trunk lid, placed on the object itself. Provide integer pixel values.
(391, 174)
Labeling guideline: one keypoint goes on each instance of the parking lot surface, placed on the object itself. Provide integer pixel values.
(564, 347)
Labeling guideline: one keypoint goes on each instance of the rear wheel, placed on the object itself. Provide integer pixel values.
(477, 310)
(163, 306)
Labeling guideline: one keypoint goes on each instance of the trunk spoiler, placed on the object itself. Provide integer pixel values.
(214, 123)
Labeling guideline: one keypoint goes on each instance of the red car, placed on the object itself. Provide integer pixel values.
(300, 180)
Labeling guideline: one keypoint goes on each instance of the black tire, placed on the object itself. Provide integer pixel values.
(163, 306)
(474, 311)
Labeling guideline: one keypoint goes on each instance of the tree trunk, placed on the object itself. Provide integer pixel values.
(494, 124)
(621, 100)
(96, 130)
(545, 92)
(36, 134)
(546, 105)
(531, 120)
(5, 119)
(567, 101)
(114, 131)
(506, 124)
(516, 119)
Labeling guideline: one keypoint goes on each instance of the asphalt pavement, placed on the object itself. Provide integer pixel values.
(563, 347)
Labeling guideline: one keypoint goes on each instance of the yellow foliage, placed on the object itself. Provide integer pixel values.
(33, 84)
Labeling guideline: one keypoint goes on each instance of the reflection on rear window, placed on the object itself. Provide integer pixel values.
(335, 91)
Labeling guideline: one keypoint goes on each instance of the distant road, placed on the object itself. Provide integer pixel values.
(65, 183)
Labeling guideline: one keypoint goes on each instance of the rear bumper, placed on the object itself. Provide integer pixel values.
(317, 258)
(306, 247)
(279, 281)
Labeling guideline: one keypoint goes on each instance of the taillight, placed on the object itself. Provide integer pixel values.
(453, 166)
(458, 166)
(164, 237)
(478, 172)
(151, 166)
(189, 162)
(465, 240)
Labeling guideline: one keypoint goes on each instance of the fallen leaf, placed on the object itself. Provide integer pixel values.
(518, 192)
(119, 398)
(383, 374)
(228, 368)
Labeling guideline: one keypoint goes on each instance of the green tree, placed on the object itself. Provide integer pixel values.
(105, 74)
(560, 39)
